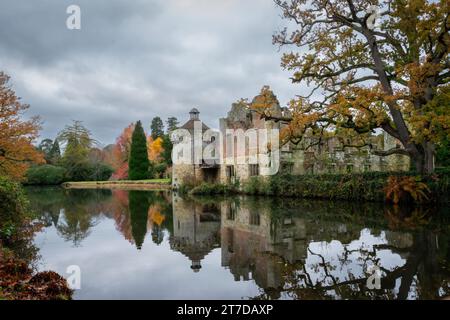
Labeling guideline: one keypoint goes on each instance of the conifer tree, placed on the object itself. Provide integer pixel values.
(138, 163)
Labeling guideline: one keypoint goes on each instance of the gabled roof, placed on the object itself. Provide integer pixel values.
(190, 125)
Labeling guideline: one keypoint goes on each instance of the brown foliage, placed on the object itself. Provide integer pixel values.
(401, 188)
(18, 283)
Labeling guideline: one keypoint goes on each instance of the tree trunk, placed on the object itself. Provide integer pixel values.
(423, 159)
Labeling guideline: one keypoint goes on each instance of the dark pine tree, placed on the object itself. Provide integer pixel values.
(138, 163)
(157, 128)
(172, 124)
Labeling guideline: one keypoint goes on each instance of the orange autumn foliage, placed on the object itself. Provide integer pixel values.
(400, 188)
(358, 78)
(16, 135)
(155, 148)
(121, 153)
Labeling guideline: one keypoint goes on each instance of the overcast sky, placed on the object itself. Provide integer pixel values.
(136, 59)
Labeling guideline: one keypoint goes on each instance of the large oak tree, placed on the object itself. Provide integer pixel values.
(366, 72)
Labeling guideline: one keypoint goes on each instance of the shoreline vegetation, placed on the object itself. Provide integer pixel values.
(18, 278)
(392, 187)
(152, 184)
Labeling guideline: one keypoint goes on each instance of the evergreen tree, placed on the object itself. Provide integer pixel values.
(172, 124)
(157, 128)
(167, 153)
(45, 147)
(54, 155)
(138, 163)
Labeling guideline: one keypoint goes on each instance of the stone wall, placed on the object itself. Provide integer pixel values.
(328, 156)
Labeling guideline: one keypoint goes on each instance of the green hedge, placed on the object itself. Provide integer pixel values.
(54, 175)
(45, 175)
(89, 172)
(368, 186)
(210, 189)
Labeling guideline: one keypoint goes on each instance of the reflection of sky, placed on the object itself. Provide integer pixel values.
(112, 268)
(354, 268)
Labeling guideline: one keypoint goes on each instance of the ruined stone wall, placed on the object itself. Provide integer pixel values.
(332, 158)
(327, 157)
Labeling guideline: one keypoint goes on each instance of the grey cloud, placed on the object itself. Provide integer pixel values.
(139, 59)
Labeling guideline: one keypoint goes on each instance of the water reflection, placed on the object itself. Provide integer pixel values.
(282, 248)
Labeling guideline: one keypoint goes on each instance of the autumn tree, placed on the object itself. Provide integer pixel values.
(138, 163)
(365, 71)
(121, 153)
(157, 128)
(16, 135)
(155, 149)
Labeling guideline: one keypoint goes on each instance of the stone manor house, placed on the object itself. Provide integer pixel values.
(328, 156)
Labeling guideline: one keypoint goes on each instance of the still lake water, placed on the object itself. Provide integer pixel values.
(157, 245)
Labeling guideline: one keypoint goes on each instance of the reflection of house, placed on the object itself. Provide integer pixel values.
(327, 155)
(195, 230)
(278, 249)
(251, 244)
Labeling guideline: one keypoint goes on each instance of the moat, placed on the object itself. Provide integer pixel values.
(158, 245)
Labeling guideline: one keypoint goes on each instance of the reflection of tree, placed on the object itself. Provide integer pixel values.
(407, 219)
(422, 276)
(120, 212)
(139, 214)
(156, 220)
(76, 224)
(81, 209)
(322, 250)
(72, 212)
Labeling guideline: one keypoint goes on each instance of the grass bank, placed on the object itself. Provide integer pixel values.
(371, 186)
(151, 184)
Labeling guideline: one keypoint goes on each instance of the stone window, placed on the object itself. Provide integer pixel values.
(231, 214)
(230, 171)
(254, 170)
(255, 219)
